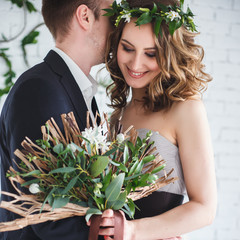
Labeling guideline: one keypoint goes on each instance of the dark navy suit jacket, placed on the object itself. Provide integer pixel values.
(44, 91)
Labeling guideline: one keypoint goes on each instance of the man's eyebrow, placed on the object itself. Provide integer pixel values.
(150, 48)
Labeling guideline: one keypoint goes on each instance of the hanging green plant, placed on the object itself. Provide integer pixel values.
(29, 38)
(9, 75)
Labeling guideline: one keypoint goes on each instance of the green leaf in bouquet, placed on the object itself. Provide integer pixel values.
(99, 165)
(59, 202)
(80, 203)
(158, 169)
(131, 146)
(106, 180)
(108, 153)
(63, 170)
(114, 188)
(81, 158)
(128, 187)
(134, 166)
(129, 208)
(114, 163)
(59, 163)
(152, 178)
(139, 167)
(125, 154)
(123, 168)
(89, 148)
(92, 211)
(148, 159)
(95, 180)
(118, 204)
(35, 172)
(71, 162)
(48, 198)
(101, 198)
(36, 180)
(132, 207)
(58, 148)
(85, 139)
(143, 180)
(74, 147)
(133, 176)
(70, 185)
(65, 153)
(139, 142)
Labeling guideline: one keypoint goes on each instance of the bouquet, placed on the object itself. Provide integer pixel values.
(82, 173)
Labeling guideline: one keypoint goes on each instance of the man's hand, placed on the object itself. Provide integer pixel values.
(107, 226)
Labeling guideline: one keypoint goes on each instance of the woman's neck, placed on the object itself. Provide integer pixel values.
(137, 97)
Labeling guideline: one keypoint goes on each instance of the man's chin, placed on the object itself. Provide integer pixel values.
(100, 61)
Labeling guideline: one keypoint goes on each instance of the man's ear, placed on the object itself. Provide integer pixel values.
(85, 17)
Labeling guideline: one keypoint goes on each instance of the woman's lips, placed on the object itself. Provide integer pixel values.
(136, 75)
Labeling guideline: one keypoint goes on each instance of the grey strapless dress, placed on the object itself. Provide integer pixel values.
(171, 195)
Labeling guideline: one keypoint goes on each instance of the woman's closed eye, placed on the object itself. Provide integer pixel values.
(151, 54)
(127, 49)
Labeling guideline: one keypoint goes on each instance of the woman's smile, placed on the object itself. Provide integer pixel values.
(136, 75)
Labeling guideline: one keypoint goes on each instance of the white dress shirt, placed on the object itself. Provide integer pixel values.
(87, 84)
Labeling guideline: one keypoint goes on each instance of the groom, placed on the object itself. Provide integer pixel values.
(58, 85)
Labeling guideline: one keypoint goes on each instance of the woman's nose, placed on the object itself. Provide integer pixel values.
(136, 62)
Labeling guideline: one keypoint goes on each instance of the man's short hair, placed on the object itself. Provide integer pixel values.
(58, 14)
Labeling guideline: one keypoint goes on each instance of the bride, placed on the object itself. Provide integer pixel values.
(162, 68)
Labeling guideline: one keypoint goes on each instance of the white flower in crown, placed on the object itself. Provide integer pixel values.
(118, 1)
(173, 15)
(127, 16)
(34, 188)
(96, 138)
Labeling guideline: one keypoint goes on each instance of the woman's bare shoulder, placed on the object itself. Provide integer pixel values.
(188, 112)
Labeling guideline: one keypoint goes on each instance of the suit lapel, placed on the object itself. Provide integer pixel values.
(68, 82)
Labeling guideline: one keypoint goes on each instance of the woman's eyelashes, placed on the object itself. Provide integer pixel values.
(148, 54)
(151, 54)
(127, 49)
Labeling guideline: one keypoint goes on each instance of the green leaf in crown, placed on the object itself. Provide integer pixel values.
(173, 16)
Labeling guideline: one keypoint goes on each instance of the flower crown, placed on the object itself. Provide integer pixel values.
(174, 16)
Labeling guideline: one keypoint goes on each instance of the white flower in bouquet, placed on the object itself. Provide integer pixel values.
(96, 138)
(34, 188)
(120, 138)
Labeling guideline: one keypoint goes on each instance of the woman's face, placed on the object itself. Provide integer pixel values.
(136, 55)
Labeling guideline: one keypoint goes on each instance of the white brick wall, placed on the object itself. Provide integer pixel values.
(219, 24)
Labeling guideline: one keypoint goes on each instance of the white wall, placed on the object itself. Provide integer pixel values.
(219, 24)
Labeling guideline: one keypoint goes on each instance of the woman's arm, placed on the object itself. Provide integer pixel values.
(193, 137)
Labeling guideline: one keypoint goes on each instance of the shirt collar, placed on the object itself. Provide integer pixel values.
(82, 80)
